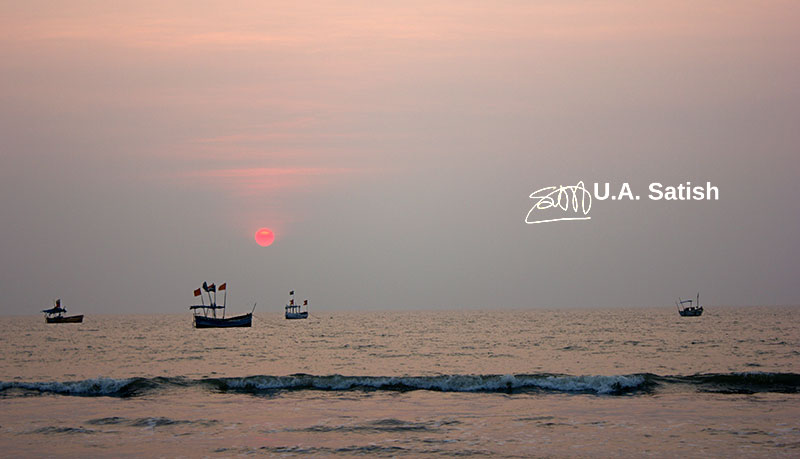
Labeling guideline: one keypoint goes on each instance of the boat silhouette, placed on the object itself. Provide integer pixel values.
(205, 315)
(55, 315)
(692, 310)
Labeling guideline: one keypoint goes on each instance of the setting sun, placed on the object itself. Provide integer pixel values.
(265, 237)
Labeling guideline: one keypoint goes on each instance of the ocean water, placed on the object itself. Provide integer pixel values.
(567, 383)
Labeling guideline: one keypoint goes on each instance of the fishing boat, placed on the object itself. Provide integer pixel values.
(689, 308)
(55, 315)
(206, 316)
(296, 311)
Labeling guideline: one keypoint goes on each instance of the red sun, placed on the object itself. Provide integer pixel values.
(265, 237)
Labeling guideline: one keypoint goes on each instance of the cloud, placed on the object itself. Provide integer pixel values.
(255, 180)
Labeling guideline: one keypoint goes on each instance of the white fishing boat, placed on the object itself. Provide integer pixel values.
(689, 308)
(296, 311)
(205, 315)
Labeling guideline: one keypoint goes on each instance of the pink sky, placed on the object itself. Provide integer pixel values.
(387, 124)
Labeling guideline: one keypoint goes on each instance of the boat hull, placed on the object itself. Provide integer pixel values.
(245, 320)
(691, 312)
(297, 315)
(64, 320)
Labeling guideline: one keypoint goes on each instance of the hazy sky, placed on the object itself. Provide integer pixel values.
(392, 146)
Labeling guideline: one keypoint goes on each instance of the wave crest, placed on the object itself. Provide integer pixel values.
(88, 387)
(520, 383)
(445, 383)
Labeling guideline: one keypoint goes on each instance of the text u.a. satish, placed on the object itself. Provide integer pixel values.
(660, 192)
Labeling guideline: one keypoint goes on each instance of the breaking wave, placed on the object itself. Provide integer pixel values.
(88, 387)
(643, 383)
(446, 383)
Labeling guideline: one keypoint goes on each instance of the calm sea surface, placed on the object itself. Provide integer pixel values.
(469, 383)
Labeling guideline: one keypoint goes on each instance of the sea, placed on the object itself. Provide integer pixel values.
(502, 383)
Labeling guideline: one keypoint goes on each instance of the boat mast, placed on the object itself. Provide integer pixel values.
(213, 288)
(211, 302)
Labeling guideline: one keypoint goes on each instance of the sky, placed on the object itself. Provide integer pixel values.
(392, 147)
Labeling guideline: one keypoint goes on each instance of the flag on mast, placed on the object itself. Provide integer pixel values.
(222, 286)
(291, 293)
(197, 292)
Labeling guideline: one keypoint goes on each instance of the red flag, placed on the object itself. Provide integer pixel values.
(291, 302)
(305, 302)
(212, 288)
(197, 292)
(222, 287)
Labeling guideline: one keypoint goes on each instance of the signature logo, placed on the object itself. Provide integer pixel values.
(576, 197)
(576, 201)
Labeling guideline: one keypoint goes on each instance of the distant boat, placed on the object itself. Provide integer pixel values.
(205, 315)
(296, 311)
(692, 310)
(55, 315)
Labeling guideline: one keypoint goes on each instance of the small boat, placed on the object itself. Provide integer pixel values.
(244, 320)
(205, 315)
(55, 315)
(692, 310)
(296, 311)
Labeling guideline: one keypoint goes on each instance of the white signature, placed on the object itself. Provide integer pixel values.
(563, 196)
